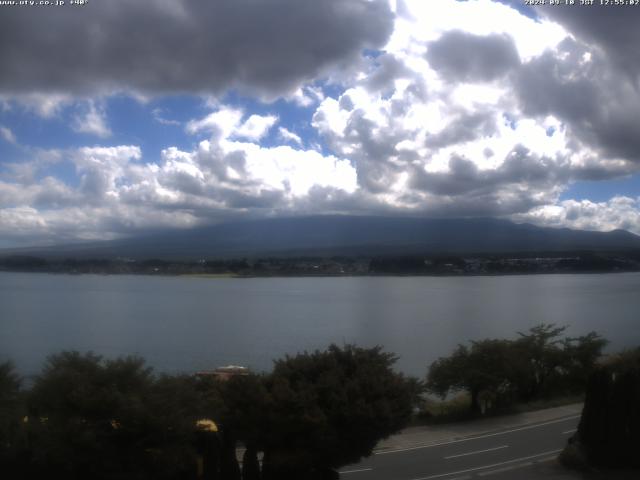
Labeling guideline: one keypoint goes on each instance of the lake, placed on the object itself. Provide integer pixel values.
(185, 324)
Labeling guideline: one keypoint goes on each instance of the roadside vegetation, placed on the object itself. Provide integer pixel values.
(85, 416)
(608, 435)
(540, 367)
(89, 417)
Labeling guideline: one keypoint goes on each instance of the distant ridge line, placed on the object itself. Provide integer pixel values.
(328, 235)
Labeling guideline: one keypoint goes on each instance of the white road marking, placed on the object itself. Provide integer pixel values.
(484, 467)
(528, 427)
(570, 431)
(548, 459)
(356, 471)
(504, 469)
(477, 451)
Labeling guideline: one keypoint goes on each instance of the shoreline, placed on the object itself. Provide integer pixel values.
(231, 275)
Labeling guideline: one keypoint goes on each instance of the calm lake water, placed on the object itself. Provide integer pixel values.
(182, 324)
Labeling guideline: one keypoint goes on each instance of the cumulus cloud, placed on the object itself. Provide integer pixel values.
(576, 84)
(448, 108)
(256, 127)
(468, 117)
(44, 104)
(307, 96)
(289, 137)
(158, 116)
(613, 30)
(464, 57)
(7, 135)
(438, 153)
(617, 213)
(91, 120)
(102, 169)
(266, 48)
(227, 122)
(117, 193)
(221, 122)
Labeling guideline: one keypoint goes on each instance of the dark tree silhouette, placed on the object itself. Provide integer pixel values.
(12, 439)
(330, 408)
(609, 430)
(538, 363)
(91, 418)
(483, 368)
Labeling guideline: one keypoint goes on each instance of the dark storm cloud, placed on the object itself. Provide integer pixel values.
(598, 105)
(465, 57)
(613, 28)
(374, 149)
(467, 127)
(523, 181)
(266, 47)
(464, 178)
(551, 84)
(388, 70)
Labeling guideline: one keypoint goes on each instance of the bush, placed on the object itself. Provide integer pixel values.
(115, 420)
(496, 373)
(610, 425)
(12, 438)
(329, 409)
(91, 418)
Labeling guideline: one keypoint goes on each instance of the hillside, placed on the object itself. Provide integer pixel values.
(344, 235)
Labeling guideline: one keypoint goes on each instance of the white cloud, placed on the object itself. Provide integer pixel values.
(157, 115)
(294, 172)
(426, 21)
(288, 136)
(103, 170)
(255, 127)
(45, 105)
(26, 220)
(117, 193)
(221, 123)
(227, 122)
(7, 135)
(307, 96)
(92, 121)
(424, 141)
(620, 212)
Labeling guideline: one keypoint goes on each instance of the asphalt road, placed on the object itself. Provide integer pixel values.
(486, 455)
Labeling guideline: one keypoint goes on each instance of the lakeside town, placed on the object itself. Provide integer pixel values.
(495, 264)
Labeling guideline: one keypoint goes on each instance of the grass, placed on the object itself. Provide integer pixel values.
(543, 403)
(457, 408)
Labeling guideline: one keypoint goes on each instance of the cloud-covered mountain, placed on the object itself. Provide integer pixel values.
(347, 235)
(121, 118)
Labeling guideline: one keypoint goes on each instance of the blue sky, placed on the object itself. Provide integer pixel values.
(173, 115)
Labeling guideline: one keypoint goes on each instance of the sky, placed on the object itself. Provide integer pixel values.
(120, 118)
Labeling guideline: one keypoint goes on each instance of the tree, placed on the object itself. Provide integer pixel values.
(544, 358)
(539, 362)
(609, 430)
(91, 418)
(484, 369)
(330, 408)
(244, 403)
(581, 356)
(11, 413)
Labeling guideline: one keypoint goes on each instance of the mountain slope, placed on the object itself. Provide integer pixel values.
(346, 235)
